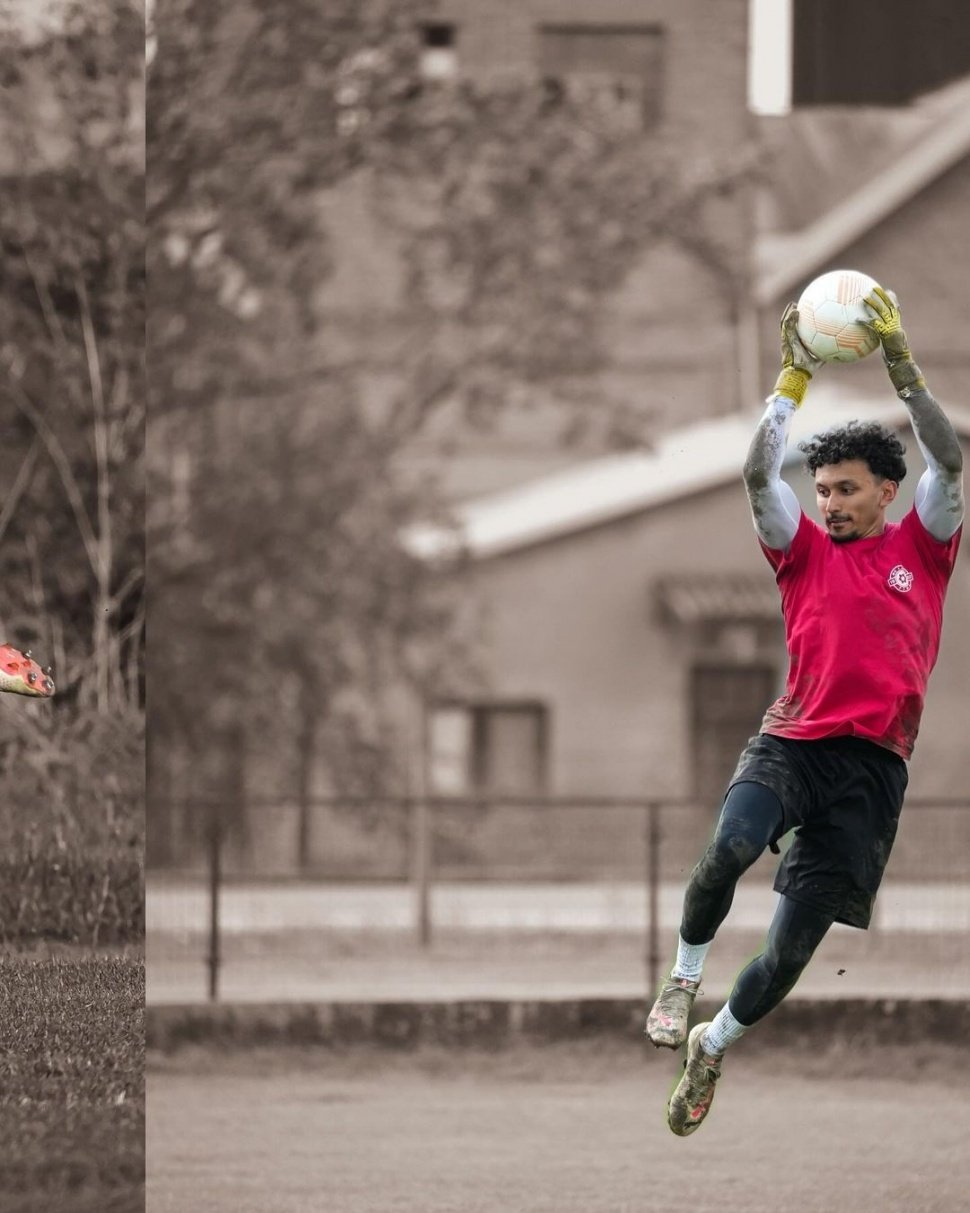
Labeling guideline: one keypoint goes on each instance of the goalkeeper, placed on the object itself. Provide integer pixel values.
(862, 601)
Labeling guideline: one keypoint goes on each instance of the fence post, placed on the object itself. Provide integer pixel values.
(653, 896)
(421, 835)
(421, 824)
(213, 960)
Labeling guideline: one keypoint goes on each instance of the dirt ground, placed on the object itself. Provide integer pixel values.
(563, 1128)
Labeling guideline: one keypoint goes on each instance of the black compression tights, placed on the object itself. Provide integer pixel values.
(750, 819)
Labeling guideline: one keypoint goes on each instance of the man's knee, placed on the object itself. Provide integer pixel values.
(728, 856)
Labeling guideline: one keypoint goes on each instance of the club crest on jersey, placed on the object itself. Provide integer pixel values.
(901, 579)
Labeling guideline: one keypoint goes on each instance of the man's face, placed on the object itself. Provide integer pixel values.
(852, 501)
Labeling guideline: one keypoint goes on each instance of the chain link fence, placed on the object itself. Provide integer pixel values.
(474, 897)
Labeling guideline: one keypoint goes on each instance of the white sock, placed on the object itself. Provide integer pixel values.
(690, 959)
(723, 1031)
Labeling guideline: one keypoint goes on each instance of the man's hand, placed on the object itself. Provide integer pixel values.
(798, 364)
(887, 324)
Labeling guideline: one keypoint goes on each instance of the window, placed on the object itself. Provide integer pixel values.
(727, 702)
(842, 56)
(449, 749)
(488, 747)
(439, 58)
(613, 64)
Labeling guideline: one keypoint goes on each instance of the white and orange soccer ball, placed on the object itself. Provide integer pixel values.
(833, 318)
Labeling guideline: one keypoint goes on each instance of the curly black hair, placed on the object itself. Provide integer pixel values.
(875, 444)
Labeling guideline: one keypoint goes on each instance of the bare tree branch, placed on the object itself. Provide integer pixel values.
(49, 312)
(63, 465)
(100, 434)
(19, 486)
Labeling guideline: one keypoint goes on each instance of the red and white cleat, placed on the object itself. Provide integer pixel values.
(691, 1099)
(21, 675)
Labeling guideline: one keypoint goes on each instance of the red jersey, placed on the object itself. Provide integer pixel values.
(863, 622)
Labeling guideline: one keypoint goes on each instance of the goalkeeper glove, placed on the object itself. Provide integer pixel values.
(798, 363)
(887, 324)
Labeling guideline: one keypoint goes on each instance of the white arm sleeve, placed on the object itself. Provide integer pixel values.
(939, 494)
(775, 509)
(939, 500)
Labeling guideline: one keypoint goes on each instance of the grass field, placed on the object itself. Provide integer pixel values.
(565, 1128)
(71, 1083)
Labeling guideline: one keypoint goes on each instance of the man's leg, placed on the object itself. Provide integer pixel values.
(751, 818)
(796, 931)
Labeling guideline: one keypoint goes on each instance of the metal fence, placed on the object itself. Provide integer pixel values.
(478, 897)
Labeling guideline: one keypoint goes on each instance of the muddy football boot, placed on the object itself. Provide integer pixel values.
(667, 1021)
(692, 1097)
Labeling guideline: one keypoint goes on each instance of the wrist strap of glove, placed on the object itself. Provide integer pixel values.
(793, 383)
(906, 376)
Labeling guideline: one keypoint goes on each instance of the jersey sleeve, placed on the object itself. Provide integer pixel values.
(782, 560)
(939, 555)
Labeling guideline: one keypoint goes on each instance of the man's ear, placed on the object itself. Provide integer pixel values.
(888, 492)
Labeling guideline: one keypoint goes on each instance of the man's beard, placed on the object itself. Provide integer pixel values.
(845, 536)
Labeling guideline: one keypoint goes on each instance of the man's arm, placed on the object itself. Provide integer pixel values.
(774, 506)
(939, 494)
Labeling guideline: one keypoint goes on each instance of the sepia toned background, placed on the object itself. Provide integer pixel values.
(72, 770)
(375, 379)
(460, 320)
(460, 317)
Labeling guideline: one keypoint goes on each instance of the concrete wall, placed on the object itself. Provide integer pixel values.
(573, 622)
(497, 1022)
(705, 50)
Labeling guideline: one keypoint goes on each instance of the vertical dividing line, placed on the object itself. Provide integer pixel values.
(215, 881)
(648, 907)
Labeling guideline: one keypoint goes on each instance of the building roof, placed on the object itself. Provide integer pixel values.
(707, 597)
(685, 461)
(935, 137)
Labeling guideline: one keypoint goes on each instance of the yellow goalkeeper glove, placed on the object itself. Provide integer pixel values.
(887, 324)
(798, 363)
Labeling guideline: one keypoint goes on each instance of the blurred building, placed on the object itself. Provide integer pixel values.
(884, 191)
(630, 628)
(625, 623)
(676, 323)
(626, 619)
(852, 55)
(875, 176)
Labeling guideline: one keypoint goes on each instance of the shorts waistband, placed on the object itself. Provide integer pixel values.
(846, 743)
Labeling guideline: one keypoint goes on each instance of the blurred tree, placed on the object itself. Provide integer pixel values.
(280, 492)
(71, 339)
(72, 316)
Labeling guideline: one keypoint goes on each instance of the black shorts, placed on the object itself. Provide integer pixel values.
(843, 797)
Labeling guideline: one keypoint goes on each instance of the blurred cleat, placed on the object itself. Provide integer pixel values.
(21, 675)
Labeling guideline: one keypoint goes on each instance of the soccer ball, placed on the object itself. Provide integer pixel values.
(833, 319)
